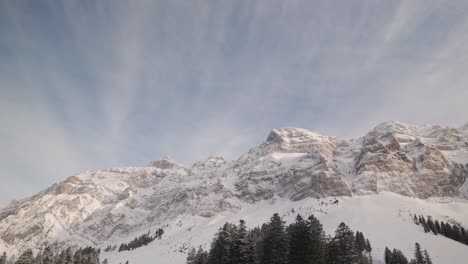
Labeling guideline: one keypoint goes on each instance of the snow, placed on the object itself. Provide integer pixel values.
(384, 219)
(115, 205)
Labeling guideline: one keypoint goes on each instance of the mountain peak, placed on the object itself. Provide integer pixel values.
(280, 135)
(165, 163)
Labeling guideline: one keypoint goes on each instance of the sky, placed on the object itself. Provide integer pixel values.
(97, 84)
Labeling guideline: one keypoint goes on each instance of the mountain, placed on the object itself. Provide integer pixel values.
(403, 167)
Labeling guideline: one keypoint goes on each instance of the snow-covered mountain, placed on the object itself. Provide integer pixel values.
(388, 173)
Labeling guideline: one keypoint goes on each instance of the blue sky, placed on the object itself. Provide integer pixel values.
(97, 84)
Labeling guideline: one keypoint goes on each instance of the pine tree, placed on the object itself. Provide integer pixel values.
(456, 235)
(258, 237)
(343, 247)
(415, 220)
(275, 244)
(221, 246)
(398, 257)
(463, 235)
(449, 230)
(316, 252)
(369, 250)
(105, 261)
(437, 227)
(431, 225)
(243, 251)
(360, 241)
(427, 258)
(191, 256)
(418, 255)
(361, 248)
(299, 241)
(26, 258)
(388, 255)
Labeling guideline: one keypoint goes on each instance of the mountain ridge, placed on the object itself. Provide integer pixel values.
(292, 163)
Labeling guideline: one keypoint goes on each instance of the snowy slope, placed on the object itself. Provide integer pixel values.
(384, 219)
(292, 168)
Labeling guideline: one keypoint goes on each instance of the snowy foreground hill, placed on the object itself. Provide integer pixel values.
(372, 183)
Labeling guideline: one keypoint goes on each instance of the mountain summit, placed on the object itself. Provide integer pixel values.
(292, 164)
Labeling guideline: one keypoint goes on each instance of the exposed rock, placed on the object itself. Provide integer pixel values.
(95, 206)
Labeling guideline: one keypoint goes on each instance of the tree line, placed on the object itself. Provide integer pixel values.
(301, 242)
(454, 232)
(397, 257)
(140, 241)
(87, 255)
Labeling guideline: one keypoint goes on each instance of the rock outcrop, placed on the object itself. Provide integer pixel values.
(95, 206)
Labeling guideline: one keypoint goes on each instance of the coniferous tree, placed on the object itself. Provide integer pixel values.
(456, 235)
(299, 241)
(415, 220)
(443, 228)
(343, 247)
(202, 256)
(388, 255)
(360, 241)
(275, 243)
(427, 258)
(26, 257)
(243, 251)
(431, 225)
(258, 237)
(191, 256)
(448, 227)
(197, 257)
(369, 250)
(437, 227)
(398, 257)
(221, 246)
(418, 255)
(317, 246)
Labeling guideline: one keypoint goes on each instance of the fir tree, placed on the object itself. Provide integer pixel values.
(369, 250)
(398, 257)
(343, 247)
(191, 256)
(221, 246)
(418, 255)
(299, 241)
(317, 246)
(243, 251)
(427, 258)
(431, 225)
(456, 235)
(437, 227)
(388, 255)
(275, 244)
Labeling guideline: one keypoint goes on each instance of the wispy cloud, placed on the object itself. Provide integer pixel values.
(87, 84)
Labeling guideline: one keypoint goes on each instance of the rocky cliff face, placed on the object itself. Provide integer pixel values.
(95, 206)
